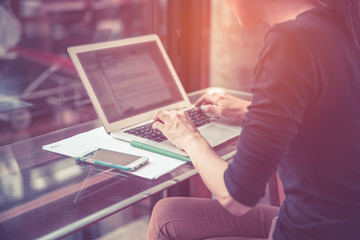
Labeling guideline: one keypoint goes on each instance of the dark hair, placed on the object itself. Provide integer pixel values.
(349, 12)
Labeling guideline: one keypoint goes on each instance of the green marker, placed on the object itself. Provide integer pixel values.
(159, 151)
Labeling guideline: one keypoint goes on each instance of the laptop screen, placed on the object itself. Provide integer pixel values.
(129, 80)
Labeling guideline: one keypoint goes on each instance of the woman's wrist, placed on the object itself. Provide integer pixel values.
(195, 146)
(190, 141)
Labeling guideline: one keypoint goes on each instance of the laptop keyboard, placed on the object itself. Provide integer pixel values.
(146, 131)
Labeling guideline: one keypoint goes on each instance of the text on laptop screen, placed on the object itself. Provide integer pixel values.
(129, 80)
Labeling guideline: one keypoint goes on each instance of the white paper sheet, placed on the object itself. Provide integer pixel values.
(81, 143)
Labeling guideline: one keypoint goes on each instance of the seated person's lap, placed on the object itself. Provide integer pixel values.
(201, 218)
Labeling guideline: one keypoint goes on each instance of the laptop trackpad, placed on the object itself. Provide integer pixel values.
(216, 135)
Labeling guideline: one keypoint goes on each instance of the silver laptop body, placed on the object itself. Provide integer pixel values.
(128, 80)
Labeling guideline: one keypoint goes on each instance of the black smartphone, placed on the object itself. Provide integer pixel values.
(113, 159)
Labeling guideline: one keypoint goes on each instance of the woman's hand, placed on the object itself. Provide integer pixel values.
(177, 127)
(224, 105)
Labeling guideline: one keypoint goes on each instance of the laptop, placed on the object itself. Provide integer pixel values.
(128, 80)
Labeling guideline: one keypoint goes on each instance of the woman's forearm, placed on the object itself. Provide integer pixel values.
(211, 169)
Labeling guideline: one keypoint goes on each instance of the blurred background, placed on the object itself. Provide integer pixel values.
(40, 91)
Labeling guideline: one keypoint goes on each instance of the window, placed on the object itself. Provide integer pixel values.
(39, 88)
(233, 50)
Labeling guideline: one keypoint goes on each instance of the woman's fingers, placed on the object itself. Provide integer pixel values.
(158, 126)
(207, 98)
(212, 109)
(176, 126)
(161, 116)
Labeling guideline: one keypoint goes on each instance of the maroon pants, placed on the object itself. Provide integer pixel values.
(201, 218)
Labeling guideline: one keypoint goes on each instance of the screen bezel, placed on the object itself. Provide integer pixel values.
(134, 120)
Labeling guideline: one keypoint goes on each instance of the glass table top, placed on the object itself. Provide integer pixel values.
(48, 195)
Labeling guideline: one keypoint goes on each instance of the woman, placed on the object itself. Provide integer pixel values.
(303, 122)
